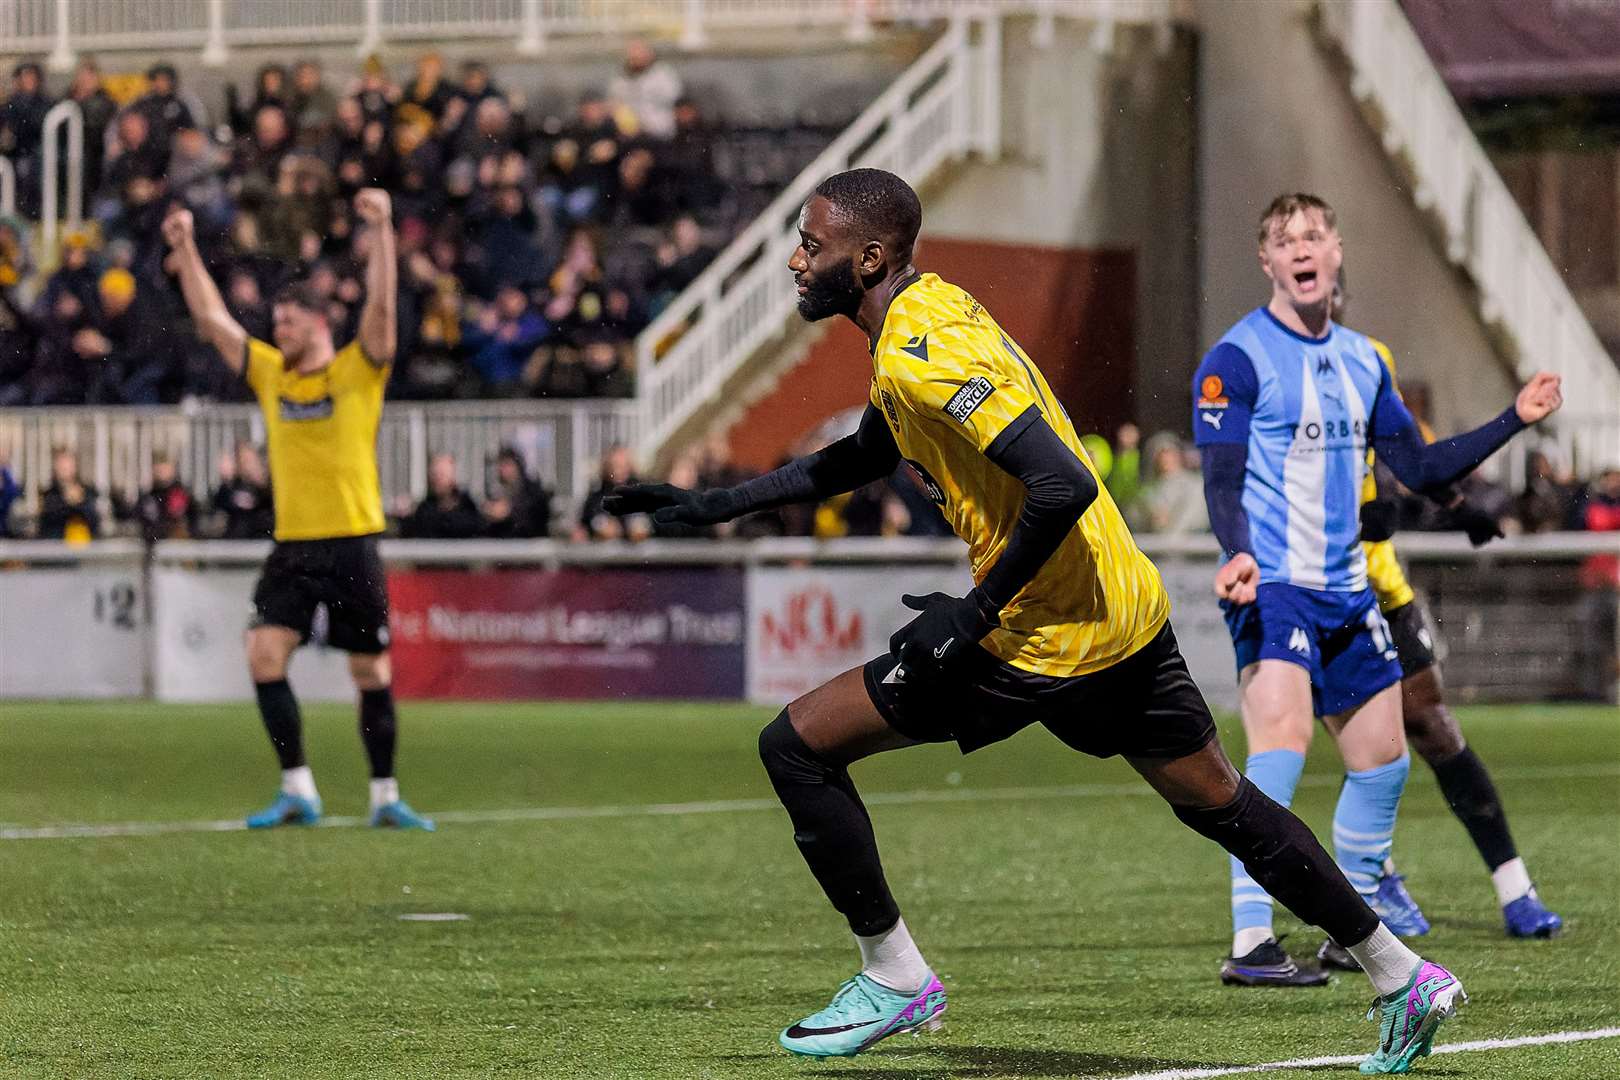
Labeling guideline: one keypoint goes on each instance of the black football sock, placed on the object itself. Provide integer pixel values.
(831, 827)
(379, 730)
(279, 709)
(1472, 797)
(1285, 858)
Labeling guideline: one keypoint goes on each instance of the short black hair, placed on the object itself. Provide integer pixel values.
(879, 204)
(301, 294)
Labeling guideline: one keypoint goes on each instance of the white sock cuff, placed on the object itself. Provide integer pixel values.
(299, 781)
(1511, 880)
(1387, 962)
(893, 960)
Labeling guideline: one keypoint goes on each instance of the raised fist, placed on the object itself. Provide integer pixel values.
(374, 206)
(177, 227)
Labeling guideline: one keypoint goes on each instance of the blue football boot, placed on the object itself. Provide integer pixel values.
(1395, 906)
(1528, 917)
(286, 810)
(399, 815)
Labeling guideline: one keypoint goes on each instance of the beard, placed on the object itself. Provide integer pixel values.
(833, 293)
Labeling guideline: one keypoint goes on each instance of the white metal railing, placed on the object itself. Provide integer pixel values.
(64, 28)
(930, 115)
(1483, 229)
(562, 441)
(8, 187)
(63, 113)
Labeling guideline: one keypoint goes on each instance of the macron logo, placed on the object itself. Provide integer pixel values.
(1298, 642)
(1212, 419)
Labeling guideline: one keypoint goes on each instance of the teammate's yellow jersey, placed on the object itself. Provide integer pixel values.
(322, 432)
(950, 382)
(1384, 571)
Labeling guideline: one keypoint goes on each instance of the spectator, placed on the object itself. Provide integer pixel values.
(1172, 500)
(76, 275)
(376, 95)
(518, 506)
(15, 261)
(312, 103)
(257, 167)
(136, 156)
(503, 251)
(270, 88)
(126, 345)
(19, 345)
(618, 468)
(22, 127)
(243, 495)
(681, 258)
(641, 198)
(501, 338)
(166, 510)
(98, 109)
(161, 106)
(1547, 503)
(447, 511)
(67, 509)
(428, 89)
(9, 492)
(196, 176)
(648, 89)
(1124, 479)
(245, 299)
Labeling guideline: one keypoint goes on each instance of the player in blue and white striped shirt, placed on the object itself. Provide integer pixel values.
(1286, 406)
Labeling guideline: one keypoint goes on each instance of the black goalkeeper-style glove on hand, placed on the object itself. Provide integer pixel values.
(669, 504)
(1480, 526)
(1378, 520)
(948, 626)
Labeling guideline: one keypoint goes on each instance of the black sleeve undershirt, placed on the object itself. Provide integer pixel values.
(1058, 489)
(1224, 467)
(851, 462)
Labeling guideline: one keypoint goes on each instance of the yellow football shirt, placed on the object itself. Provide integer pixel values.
(1384, 571)
(950, 382)
(322, 431)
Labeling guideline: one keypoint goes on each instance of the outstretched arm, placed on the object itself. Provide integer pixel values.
(213, 321)
(1225, 391)
(851, 462)
(378, 334)
(1429, 468)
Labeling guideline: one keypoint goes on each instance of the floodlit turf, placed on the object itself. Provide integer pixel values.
(1078, 933)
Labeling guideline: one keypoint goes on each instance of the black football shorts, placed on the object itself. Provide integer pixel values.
(344, 574)
(1414, 641)
(1147, 705)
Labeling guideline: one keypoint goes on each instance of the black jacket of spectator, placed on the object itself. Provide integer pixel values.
(249, 512)
(166, 512)
(166, 114)
(449, 517)
(57, 512)
(529, 515)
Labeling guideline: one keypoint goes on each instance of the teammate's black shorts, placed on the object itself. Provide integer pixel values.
(1147, 705)
(1409, 626)
(345, 574)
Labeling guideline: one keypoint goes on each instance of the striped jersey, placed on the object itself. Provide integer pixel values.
(1308, 410)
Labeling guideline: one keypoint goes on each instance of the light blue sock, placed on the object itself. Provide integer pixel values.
(1364, 823)
(1275, 772)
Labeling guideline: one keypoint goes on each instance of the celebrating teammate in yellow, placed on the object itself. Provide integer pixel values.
(321, 408)
(1067, 626)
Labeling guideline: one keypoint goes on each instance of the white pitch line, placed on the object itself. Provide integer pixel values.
(1351, 1059)
(1135, 788)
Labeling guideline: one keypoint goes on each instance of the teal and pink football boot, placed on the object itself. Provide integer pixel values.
(1407, 1019)
(862, 1013)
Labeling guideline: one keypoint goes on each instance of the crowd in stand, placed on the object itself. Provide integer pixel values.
(532, 247)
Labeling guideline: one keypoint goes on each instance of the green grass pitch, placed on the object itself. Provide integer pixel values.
(1078, 931)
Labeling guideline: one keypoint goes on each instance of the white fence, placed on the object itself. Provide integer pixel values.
(942, 107)
(64, 28)
(562, 442)
(110, 619)
(1483, 230)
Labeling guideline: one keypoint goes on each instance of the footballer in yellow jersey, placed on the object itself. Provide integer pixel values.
(1067, 625)
(321, 407)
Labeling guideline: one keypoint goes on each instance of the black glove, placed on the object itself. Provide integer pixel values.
(1480, 526)
(669, 504)
(1378, 520)
(946, 629)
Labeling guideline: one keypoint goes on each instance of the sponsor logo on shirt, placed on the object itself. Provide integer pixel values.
(1213, 419)
(930, 488)
(969, 398)
(1298, 642)
(889, 409)
(319, 409)
(1212, 394)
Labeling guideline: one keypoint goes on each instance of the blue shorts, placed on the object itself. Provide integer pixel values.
(1339, 637)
